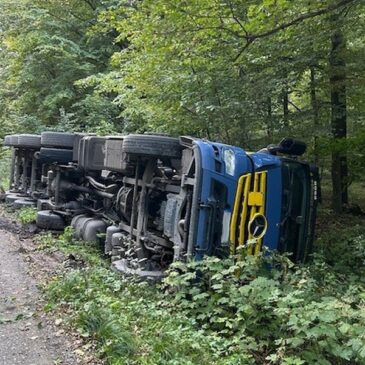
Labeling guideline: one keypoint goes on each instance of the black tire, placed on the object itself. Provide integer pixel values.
(152, 146)
(46, 219)
(52, 155)
(58, 139)
(29, 141)
(11, 140)
(11, 198)
(23, 203)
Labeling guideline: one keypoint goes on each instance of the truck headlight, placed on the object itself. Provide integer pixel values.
(229, 159)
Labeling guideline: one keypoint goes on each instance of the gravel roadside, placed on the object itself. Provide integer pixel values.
(27, 334)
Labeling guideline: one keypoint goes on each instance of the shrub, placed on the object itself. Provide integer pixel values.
(272, 310)
(261, 310)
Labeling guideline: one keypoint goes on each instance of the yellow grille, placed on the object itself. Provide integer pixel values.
(249, 201)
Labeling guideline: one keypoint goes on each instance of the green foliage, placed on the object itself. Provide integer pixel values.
(5, 162)
(347, 258)
(220, 70)
(66, 243)
(260, 310)
(300, 315)
(27, 215)
(128, 322)
(217, 70)
(46, 48)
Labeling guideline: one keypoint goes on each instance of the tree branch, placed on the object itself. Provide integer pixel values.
(236, 19)
(296, 107)
(299, 19)
(250, 38)
(248, 42)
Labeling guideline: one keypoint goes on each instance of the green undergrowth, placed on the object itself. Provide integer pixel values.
(5, 162)
(27, 215)
(263, 310)
(87, 252)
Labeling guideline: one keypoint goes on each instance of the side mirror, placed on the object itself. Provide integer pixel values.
(289, 146)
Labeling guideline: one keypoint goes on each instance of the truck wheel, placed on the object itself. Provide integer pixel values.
(92, 228)
(51, 155)
(58, 139)
(46, 219)
(77, 224)
(11, 140)
(11, 198)
(29, 141)
(23, 203)
(151, 145)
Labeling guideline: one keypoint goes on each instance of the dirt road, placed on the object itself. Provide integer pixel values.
(27, 336)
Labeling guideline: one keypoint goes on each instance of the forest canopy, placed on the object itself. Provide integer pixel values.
(242, 72)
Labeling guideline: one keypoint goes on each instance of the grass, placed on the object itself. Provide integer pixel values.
(87, 252)
(123, 316)
(356, 192)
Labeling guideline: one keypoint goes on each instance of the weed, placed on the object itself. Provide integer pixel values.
(27, 215)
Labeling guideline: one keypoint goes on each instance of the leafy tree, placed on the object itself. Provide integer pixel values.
(48, 46)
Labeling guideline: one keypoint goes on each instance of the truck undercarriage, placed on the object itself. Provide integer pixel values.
(153, 199)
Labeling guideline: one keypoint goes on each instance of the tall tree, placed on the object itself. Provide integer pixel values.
(337, 72)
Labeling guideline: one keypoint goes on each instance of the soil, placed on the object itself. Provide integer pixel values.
(28, 335)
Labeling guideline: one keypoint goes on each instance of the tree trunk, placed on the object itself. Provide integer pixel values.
(269, 123)
(315, 113)
(337, 68)
(285, 108)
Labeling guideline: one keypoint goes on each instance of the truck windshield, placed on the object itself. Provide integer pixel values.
(297, 210)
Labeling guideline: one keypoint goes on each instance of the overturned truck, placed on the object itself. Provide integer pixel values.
(154, 199)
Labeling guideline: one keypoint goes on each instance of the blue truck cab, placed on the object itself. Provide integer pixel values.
(252, 199)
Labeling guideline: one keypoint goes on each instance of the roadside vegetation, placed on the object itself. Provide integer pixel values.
(5, 162)
(27, 215)
(262, 310)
